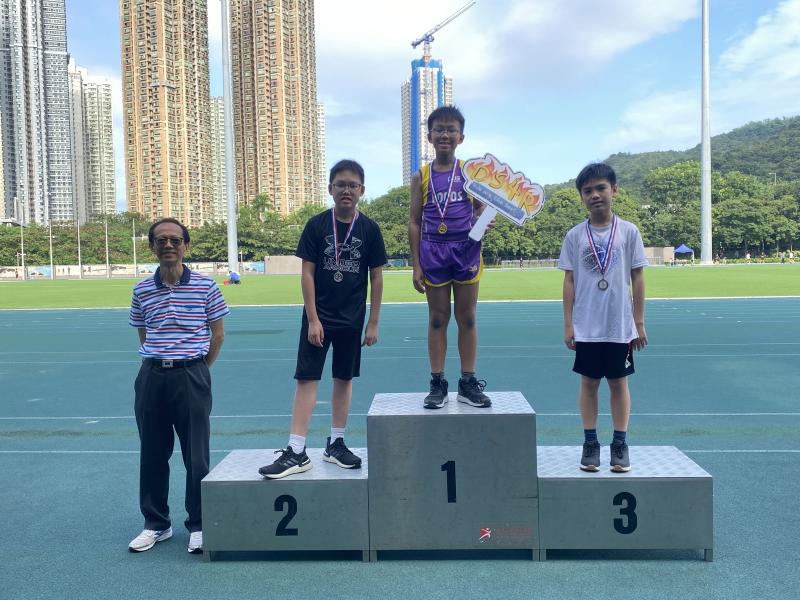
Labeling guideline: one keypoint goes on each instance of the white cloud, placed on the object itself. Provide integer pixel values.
(497, 52)
(547, 41)
(215, 23)
(662, 121)
(757, 77)
(773, 45)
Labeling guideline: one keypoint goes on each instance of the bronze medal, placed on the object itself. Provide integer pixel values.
(603, 265)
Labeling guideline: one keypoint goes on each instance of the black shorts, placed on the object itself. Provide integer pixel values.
(346, 354)
(603, 359)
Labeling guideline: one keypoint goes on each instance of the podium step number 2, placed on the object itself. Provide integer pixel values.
(244, 512)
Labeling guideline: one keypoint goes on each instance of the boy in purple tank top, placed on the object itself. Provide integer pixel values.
(445, 258)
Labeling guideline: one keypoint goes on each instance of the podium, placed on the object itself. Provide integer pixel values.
(664, 502)
(323, 509)
(455, 478)
(459, 478)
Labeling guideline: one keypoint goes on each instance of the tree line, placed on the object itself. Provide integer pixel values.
(749, 214)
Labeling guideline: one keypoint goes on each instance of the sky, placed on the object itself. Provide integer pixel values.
(545, 85)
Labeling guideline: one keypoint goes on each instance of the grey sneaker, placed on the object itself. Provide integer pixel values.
(471, 392)
(590, 460)
(148, 538)
(196, 542)
(620, 461)
(339, 454)
(288, 463)
(438, 395)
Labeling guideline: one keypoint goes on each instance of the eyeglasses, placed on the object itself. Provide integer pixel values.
(163, 241)
(449, 131)
(341, 186)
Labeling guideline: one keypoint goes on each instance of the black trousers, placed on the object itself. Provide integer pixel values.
(168, 401)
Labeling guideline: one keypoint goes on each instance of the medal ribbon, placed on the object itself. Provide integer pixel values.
(337, 250)
(441, 210)
(607, 255)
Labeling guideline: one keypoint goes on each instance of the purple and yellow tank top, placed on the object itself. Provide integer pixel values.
(460, 212)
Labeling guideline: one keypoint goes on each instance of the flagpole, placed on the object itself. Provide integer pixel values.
(80, 262)
(705, 164)
(50, 235)
(18, 209)
(108, 260)
(135, 264)
(233, 242)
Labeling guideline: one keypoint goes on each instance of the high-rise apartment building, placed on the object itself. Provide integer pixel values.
(6, 213)
(34, 102)
(77, 75)
(101, 185)
(219, 173)
(94, 184)
(323, 172)
(427, 89)
(275, 102)
(166, 95)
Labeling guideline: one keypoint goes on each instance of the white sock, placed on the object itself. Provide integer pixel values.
(297, 443)
(337, 432)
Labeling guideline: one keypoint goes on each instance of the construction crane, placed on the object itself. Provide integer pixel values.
(427, 38)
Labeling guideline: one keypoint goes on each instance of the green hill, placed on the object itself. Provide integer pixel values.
(759, 148)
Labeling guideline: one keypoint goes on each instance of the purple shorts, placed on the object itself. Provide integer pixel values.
(446, 262)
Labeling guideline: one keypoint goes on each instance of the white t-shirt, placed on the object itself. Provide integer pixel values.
(603, 315)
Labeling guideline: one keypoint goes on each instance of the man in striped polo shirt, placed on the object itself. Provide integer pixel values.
(179, 315)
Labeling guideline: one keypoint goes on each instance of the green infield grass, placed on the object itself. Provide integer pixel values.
(544, 284)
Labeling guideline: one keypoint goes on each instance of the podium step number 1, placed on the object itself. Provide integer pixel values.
(442, 479)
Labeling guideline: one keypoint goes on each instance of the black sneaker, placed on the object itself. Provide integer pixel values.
(620, 461)
(471, 392)
(590, 461)
(288, 463)
(438, 396)
(339, 454)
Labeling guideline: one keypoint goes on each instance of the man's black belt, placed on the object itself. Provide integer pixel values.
(173, 363)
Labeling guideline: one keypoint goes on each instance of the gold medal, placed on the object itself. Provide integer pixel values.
(442, 209)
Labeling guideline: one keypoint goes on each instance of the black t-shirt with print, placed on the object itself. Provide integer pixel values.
(341, 304)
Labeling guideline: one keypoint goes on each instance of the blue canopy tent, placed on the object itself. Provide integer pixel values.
(684, 249)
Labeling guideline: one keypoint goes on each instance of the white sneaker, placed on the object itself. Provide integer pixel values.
(148, 538)
(196, 542)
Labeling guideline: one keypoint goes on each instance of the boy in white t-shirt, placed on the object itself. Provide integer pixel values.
(603, 261)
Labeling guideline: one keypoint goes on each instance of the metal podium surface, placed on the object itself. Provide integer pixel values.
(664, 502)
(455, 478)
(324, 508)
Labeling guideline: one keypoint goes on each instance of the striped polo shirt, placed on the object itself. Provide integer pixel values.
(176, 319)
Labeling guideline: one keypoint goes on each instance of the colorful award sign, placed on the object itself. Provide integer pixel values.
(502, 190)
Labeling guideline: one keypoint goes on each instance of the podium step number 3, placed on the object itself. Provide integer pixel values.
(664, 502)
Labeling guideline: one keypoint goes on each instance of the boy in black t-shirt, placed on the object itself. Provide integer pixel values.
(339, 248)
